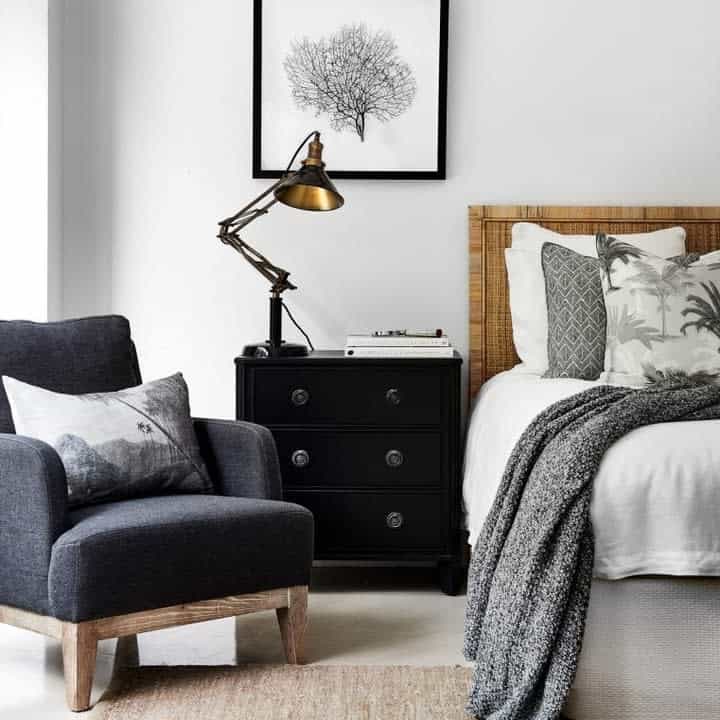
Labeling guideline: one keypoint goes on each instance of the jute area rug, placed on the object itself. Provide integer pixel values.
(285, 692)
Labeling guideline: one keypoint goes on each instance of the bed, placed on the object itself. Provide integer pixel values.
(652, 641)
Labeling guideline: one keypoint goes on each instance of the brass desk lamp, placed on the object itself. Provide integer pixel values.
(308, 188)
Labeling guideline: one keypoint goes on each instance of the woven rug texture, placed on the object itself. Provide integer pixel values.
(285, 692)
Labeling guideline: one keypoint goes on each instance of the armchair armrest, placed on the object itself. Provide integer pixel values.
(33, 513)
(241, 458)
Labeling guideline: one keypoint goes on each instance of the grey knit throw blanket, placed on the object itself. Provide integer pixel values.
(530, 574)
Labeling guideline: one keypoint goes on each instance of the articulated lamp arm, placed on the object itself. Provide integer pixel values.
(308, 188)
(230, 235)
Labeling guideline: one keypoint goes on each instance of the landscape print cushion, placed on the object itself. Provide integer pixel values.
(576, 314)
(662, 315)
(116, 445)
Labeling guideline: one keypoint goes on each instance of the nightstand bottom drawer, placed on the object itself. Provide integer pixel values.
(367, 522)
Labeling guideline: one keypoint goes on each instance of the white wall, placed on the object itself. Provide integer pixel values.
(24, 160)
(86, 127)
(559, 101)
(56, 15)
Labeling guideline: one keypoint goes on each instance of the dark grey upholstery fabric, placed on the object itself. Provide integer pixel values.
(92, 354)
(241, 458)
(576, 314)
(154, 552)
(33, 502)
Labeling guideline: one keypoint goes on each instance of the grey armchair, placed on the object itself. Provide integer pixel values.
(116, 569)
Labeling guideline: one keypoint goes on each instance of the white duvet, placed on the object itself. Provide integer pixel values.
(656, 498)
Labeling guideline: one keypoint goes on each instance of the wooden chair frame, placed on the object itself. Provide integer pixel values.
(79, 640)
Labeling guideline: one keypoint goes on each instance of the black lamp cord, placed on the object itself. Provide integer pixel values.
(295, 323)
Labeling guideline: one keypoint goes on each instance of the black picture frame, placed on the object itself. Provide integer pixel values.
(438, 174)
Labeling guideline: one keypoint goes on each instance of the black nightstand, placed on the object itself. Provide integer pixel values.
(372, 447)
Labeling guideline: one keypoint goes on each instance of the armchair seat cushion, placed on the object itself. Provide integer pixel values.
(147, 553)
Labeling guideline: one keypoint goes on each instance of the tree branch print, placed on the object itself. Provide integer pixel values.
(350, 76)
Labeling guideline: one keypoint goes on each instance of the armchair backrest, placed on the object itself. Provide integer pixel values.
(93, 354)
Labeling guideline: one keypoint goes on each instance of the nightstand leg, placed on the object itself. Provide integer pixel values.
(452, 576)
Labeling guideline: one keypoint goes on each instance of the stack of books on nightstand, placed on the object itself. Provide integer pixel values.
(399, 343)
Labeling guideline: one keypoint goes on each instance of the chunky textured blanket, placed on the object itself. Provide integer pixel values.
(531, 569)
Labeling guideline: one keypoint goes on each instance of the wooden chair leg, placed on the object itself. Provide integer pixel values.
(79, 645)
(293, 620)
(127, 652)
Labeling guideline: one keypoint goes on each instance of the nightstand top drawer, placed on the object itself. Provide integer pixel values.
(346, 394)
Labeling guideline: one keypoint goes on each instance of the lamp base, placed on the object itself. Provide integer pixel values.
(266, 350)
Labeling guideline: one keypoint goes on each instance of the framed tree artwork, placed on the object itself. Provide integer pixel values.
(371, 76)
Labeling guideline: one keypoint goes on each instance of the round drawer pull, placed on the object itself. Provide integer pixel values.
(300, 458)
(394, 520)
(299, 397)
(393, 396)
(394, 458)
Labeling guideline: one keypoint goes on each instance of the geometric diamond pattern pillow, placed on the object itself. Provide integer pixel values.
(576, 314)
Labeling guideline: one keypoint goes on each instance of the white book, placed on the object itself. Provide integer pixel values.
(399, 352)
(396, 341)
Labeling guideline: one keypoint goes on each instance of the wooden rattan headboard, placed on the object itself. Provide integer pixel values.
(491, 344)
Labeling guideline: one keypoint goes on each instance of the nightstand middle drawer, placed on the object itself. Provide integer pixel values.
(334, 458)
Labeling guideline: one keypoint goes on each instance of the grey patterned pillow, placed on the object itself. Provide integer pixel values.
(115, 445)
(576, 314)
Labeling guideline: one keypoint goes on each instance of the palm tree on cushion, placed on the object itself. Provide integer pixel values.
(678, 376)
(623, 326)
(707, 311)
(661, 284)
(175, 444)
(610, 249)
(149, 444)
(685, 261)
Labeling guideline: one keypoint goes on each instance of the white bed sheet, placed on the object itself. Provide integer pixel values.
(656, 497)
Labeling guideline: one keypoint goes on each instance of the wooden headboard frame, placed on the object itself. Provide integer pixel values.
(491, 345)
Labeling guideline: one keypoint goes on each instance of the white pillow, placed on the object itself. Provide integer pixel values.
(526, 281)
(710, 258)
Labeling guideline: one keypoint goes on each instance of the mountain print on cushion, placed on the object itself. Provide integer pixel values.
(116, 445)
(663, 315)
(576, 314)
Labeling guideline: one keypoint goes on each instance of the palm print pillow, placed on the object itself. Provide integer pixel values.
(663, 316)
(115, 445)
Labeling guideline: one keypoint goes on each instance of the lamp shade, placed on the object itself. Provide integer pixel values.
(310, 188)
